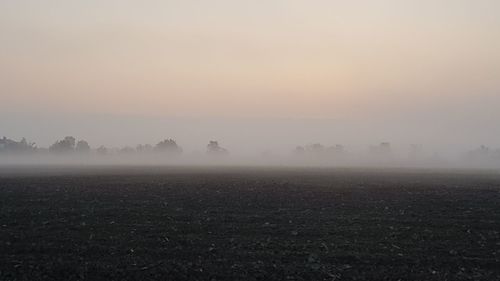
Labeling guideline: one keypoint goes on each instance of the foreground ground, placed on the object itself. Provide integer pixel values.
(205, 224)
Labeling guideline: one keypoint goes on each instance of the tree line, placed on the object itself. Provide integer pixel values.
(70, 144)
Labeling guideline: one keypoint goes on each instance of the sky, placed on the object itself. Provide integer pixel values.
(258, 74)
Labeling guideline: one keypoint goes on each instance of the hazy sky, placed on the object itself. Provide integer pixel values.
(413, 67)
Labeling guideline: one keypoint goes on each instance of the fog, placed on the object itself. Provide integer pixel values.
(140, 140)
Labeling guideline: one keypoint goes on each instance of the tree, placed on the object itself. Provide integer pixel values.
(299, 150)
(82, 146)
(481, 153)
(317, 148)
(169, 146)
(144, 148)
(383, 149)
(213, 148)
(102, 150)
(11, 146)
(63, 146)
(336, 149)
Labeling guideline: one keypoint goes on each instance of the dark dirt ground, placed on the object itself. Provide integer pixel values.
(253, 224)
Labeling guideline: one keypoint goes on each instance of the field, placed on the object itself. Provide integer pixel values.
(248, 224)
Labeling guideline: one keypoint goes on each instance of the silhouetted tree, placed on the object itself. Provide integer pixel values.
(11, 146)
(168, 145)
(214, 148)
(316, 148)
(82, 146)
(336, 149)
(384, 148)
(63, 146)
(482, 153)
(299, 150)
(102, 150)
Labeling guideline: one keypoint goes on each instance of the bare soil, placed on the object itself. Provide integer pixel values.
(249, 224)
